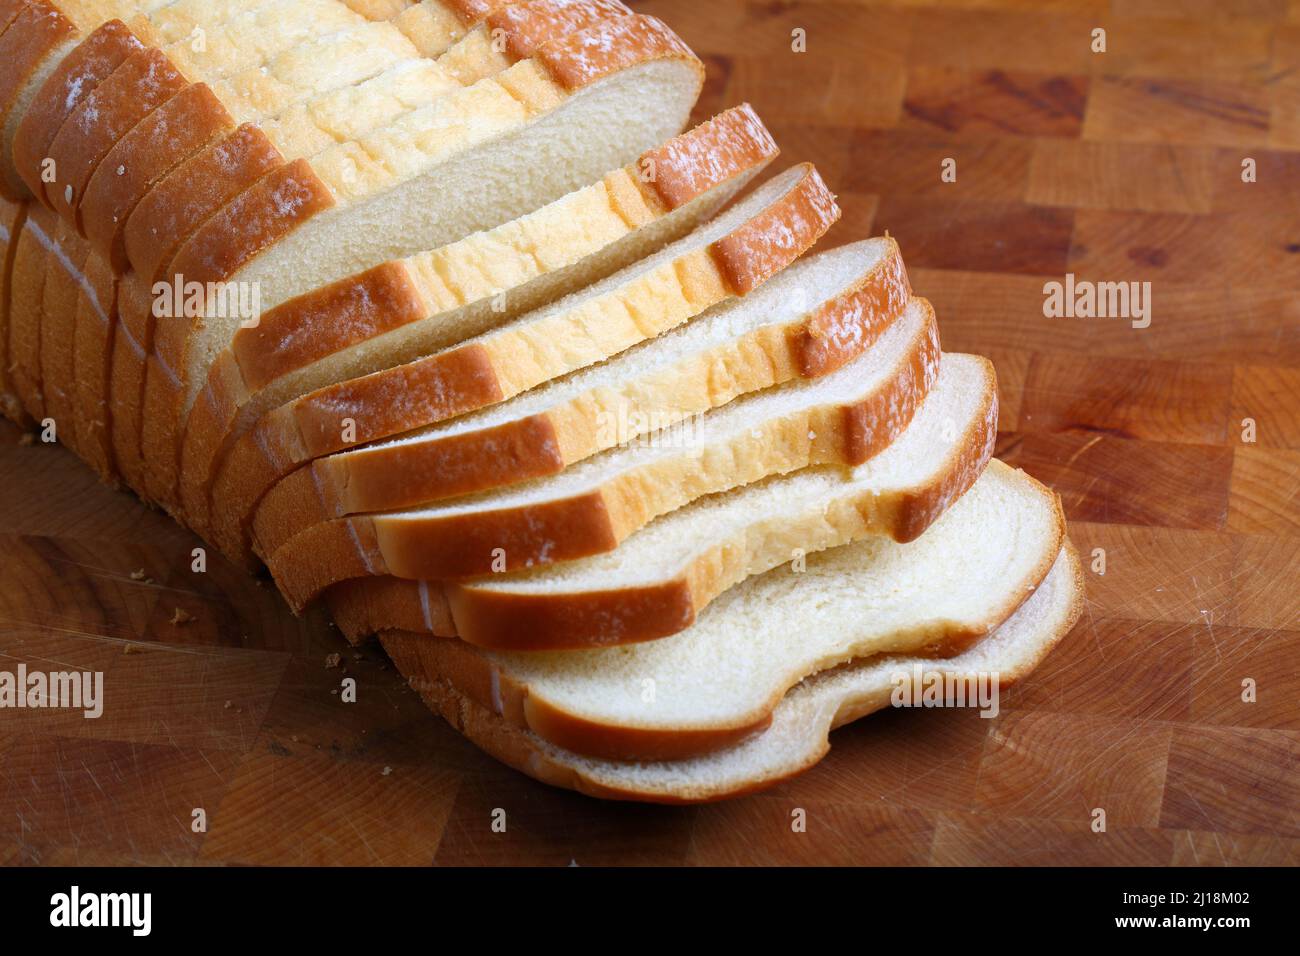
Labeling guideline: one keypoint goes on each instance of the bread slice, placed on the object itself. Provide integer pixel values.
(543, 128)
(718, 682)
(796, 738)
(809, 320)
(407, 308)
(251, 40)
(658, 580)
(730, 256)
(434, 25)
(843, 418)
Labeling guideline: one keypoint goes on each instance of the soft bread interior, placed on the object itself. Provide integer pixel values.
(600, 128)
(798, 735)
(960, 579)
(412, 341)
(714, 428)
(769, 520)
(793, 293)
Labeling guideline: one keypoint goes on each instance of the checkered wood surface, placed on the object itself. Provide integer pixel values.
(1117, 166)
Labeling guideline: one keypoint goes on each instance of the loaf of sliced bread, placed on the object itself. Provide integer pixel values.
(730, 256)
(843, 418)
(809, 320)
(546, 126)
(719, 681)
(410, 307)
(658, 580)
(797, 736)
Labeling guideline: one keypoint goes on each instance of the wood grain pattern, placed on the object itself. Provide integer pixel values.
(1117, 166)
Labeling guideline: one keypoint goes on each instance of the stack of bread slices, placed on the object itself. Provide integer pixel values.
(439, 311)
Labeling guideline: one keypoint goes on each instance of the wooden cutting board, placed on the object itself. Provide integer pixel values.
(1117, 166)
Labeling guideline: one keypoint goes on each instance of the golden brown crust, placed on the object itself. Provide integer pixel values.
(34, 34)
(834, 335)
(159, 439)
(95, 327)
(289, 194)
(143, 82)
(527, 27)
(472, 11)
(688, 166)
(13, 217)
(407, 474)
(356, 604)
(582, 59)
(471, 673)
(64, 266)
(350, 310)
(254, 220)
(90, 63)
(156, 145)
(26, 292)
(189, 194)
(288, 336)
(780, 234)
(131, 341)
(377, 405)
(870, 426)
(459, 545)
(527, 621)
